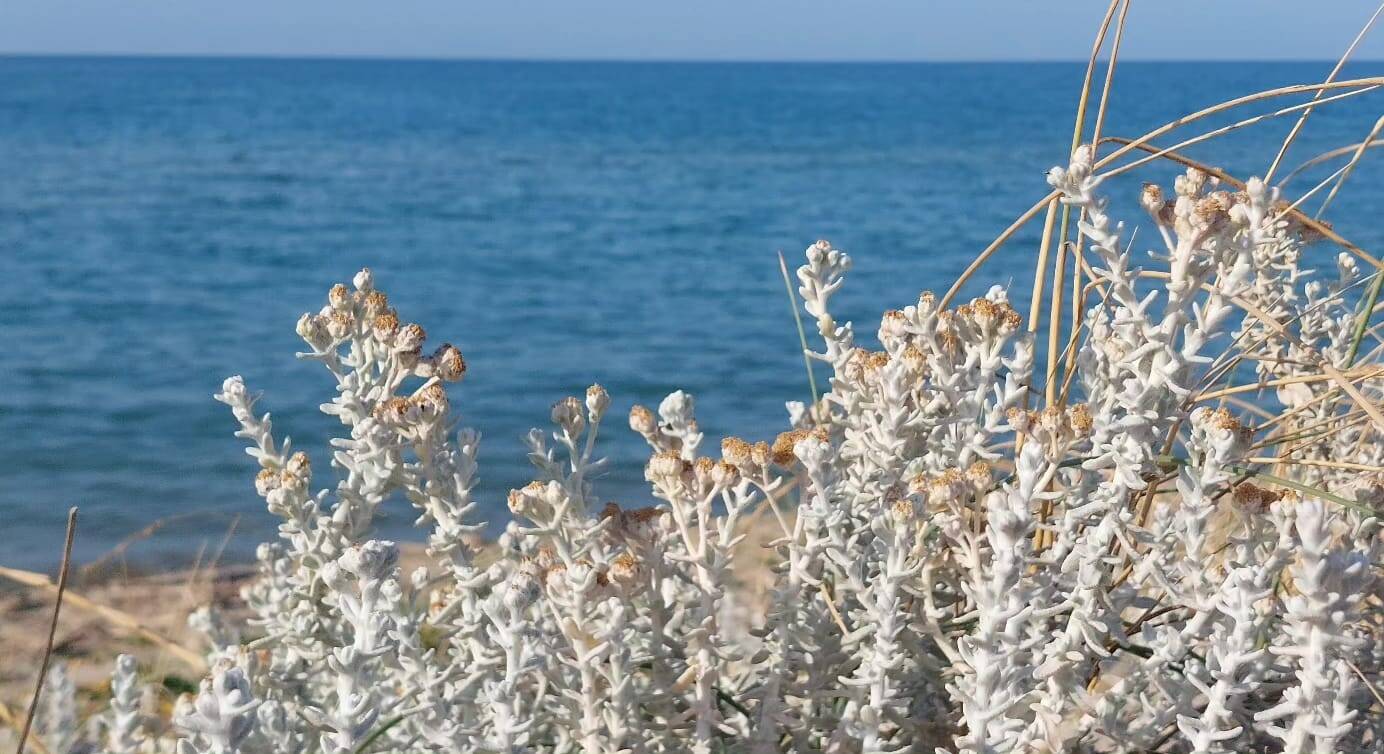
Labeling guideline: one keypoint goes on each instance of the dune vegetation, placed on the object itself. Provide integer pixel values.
(1132, 508)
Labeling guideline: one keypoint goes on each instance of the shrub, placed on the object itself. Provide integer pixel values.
(1135, 560)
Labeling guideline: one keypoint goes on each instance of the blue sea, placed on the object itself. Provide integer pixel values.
(163, 222)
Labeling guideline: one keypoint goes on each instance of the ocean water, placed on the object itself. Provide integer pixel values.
(163, 222)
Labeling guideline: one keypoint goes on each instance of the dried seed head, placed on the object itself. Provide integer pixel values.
(298, 464)
(555, 578)
(642, 420)
(339, 297)
(528, 500)
(448, 363)
(312, 328)
(735, 451)
(625, 574)
(376, 303)
(410, 337)
(642, 525)
(297, 472)
(1052, 420)
(1221, 418)
(893, 327)
(995, 317)
(666, 468)
(782, 450)
(266, 481)
(364, 280)
(914, 360)
(978, 474)
(901, 511)
(724, 474)
(567, 414)
(1151, 199)
(876, 361)
(984, 313)
(1253, 499)
(432, 400)
(601, 587)
(1213, 211)
(760, 454)
(854, 370)
(948, 487)
(1079, 416)
(395, 412)
(597, 401)
(340, 324)
(701, 470)
(1010, 321)
(386, 325)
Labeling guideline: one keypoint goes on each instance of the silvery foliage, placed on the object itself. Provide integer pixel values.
(125, 724)
(55, 720)
(962, 571)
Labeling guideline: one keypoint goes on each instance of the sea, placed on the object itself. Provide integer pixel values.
(164, 222)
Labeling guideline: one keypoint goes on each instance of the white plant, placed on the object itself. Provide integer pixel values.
(957, 568)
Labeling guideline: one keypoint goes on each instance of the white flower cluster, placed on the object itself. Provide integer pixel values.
(962, 571)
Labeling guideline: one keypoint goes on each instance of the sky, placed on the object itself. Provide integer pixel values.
(809, 30)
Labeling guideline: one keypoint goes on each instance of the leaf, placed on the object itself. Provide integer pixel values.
(367, 743)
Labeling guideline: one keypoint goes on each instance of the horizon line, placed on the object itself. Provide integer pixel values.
(388, 58)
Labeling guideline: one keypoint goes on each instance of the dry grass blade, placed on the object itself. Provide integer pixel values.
(1298, 202)
(1343, 465)
(52, 628)
(1133, 144)
(1305, 489)
(1326, 231)
(7, 717)
(1328, 156)
(1350, 167)
(1362, 325)
(1045, 245)
(1040, 277)
(994, 246)
(123, 546)
(116, 617)
(1077, 303)
(1305, 441)
(802, 334)
(1300, 379)
(1054, 323)
(1335, 375)
(1297, 127)
(1110, 73)
(1245, 123)
(1368, 684)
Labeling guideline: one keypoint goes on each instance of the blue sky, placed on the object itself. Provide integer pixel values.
(685, 30)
